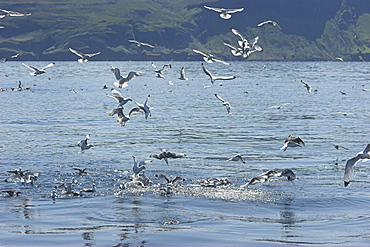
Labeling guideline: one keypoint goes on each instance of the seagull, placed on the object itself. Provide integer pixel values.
(236, 51)
(339, 59)
(209, 58)
(167, 154)
(170, 180)
(121, 82)
(273, 23)
(141, 179)
(12, 13)
(237, 157)
(225, 103)
(138, 168)
(182, 74)
(279, 106)
(348, 171)
(255, 180)
(246, 47)
(83, 56)
(80, 171)
(38, 71)
(309, 88)
(121, 117)
(92, 190)
(338, 146)
(215, 78)
(142, 108)
(287, 173)
(118, 96)
(160, 71)
(225, 13)
(291, 141)
(83, 144)
(12, 192)
(139, 44)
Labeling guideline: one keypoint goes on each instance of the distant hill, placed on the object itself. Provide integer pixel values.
(310, 29)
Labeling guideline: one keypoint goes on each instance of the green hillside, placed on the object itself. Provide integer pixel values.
(311, 29)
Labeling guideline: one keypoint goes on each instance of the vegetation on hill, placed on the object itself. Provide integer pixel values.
(311, 29)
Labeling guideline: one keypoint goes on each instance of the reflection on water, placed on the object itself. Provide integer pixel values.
(40, 129)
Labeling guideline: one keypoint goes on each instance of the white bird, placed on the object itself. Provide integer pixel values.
(118, 96)
(159, 72)
(278, 106)
(84, 145)
(121, 117)
(307, 86)
(215, 78)
(38, 71)
(142, 108)
(237, 157)
(182, 74)
(273, 23)
(83, 56)
(225, 13)
(209, 58)
(292, 142)
(139, 167)
(139, 44)
(225, 103)
(12, 13)
(92, 190)
(236, 51)
(246, 47)
(348, 171)
(121, 82)
(166, 155)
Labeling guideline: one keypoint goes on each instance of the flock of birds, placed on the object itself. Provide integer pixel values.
(244, 48)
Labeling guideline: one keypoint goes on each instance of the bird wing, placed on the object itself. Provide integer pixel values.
(163, 176)
(177, 178)
(224, 78)
(201, 53)
(80, 54)
(298, 140)
(220, 60)
(348, 171)
(207, 72)
(149, 45)
(116, 93)
(367, 149)
(230, 11)
(93, 54)
(230, 46)
(262, 23)
(48, 66)
(219, 98)
(31, 67)
(131, 75)
(134, 110)
(116, 72)
(146, 101)
(212, 8)
(236, 32)
(133, 41)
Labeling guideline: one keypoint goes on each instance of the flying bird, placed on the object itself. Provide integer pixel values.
(159, 72)
(142, 108)
(118, 96)
(215, 78)
(170, 180)
(209, 58)
(237, 157)
(139, 167)
(80, 171)
(122, 119)
(182, 74)
(84, 145)
(83, 56)
(338, 146)
(291, 141)
(348, 171)
(121, 82)
(166, 155)
(273, 23)
(225, 103)
(139, 44)
(225, 13)
(278, 106)
(307, 86)
(12, 13)
(38, 71)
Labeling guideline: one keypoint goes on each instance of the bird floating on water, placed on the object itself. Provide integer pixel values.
(348, 171)
(83, 56)
(38, 71)
(292, 142)
(225, 103)
(225, 13)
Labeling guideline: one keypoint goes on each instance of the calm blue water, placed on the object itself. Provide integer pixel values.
(40, 127)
